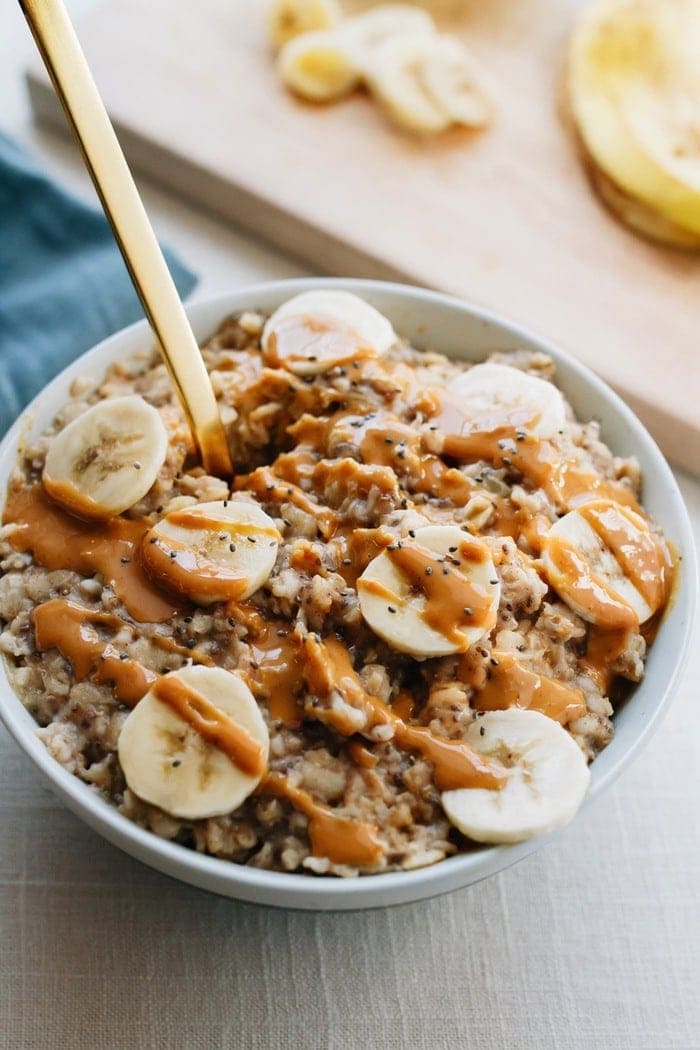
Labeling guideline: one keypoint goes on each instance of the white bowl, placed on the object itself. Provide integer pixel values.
(465, 332)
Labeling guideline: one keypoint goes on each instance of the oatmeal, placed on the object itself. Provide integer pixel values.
(410, 613)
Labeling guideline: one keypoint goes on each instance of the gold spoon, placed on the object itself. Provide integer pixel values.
(72, 80)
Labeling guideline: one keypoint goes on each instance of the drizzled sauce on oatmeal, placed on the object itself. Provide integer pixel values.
(510, 684)
(641, 557)
(453, 601)
(59, 541)
(342, 840)
(302, 339)
(212, 724)
(328, 667)
(275, 677)
(76, 632)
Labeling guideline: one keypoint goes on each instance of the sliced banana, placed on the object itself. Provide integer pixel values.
(493, 389)
(365, 34)
(173, 762)
(546, 783)
(431, 594)
(107, 459)
(634, 88)
(212, 552)
(450, 78)
(638, 215)
(318, 330)
(604, 561)
(288, 19)
(395, 77)
(317, 67)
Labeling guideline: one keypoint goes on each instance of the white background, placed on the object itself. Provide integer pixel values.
(591, 944)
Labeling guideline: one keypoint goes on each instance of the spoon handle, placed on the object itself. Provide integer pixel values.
(73, 83)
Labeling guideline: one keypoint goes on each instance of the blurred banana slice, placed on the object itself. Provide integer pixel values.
(317, 330)
(196, 745)
(450, 78)
(493, 389)
(365, 34)
(639, 216)
(634, 88)
(212, 552)
(107, 459)
(395, 76)
(432, 594)
(317, 66)
(288, 19)
(547, 779)
(604, 561)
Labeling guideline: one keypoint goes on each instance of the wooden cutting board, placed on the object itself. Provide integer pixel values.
(504, 218)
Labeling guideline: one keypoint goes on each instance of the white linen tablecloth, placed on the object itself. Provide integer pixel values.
(592, 943)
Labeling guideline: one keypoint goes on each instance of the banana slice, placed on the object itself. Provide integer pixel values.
(288, 19)
(449, 77)
(431, 594)
(634, 89)
(607, 564)
(496, 389)
(366, 33)
(395, 77)
(107, 459)
(212, 552)
(317, 67)
(638, 215)
(547, 779)
(316, 331)
(196, 745)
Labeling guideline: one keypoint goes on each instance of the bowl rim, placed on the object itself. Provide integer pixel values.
(329, 892)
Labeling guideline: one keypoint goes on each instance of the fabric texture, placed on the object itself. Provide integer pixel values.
(63, 284)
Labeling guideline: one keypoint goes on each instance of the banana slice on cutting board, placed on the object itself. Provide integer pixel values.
(604, 561)
(450, 79)
(431, 594)
(547, 779)
(395, 77)
(317, 330)
(494, 389)
(205, 763)
(212, 552)
(638, 215)
(107, 459)
(634, 88)
(318, 67)
(365, 34)
(288, 19)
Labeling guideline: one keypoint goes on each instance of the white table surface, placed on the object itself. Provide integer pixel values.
(592, 943)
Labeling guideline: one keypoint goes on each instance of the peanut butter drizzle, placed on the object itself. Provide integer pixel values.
(456, 765)
(604, 606)
(602, 650)
(636, 550)
(212, 724)
(384, 439)
(264, 484)
(504, 440)
(190, 519)
(276, 678)
(73, 630)
(319, 338)
(58, 541)
(509, 684)
(341, 840)
(453, 601)
(362, 477)
(177, 567)
(356, 548)
(74, 501)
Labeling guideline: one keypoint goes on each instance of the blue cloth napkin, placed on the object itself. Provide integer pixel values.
(63, 284)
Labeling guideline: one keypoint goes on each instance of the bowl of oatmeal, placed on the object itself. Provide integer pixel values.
(444, 600)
